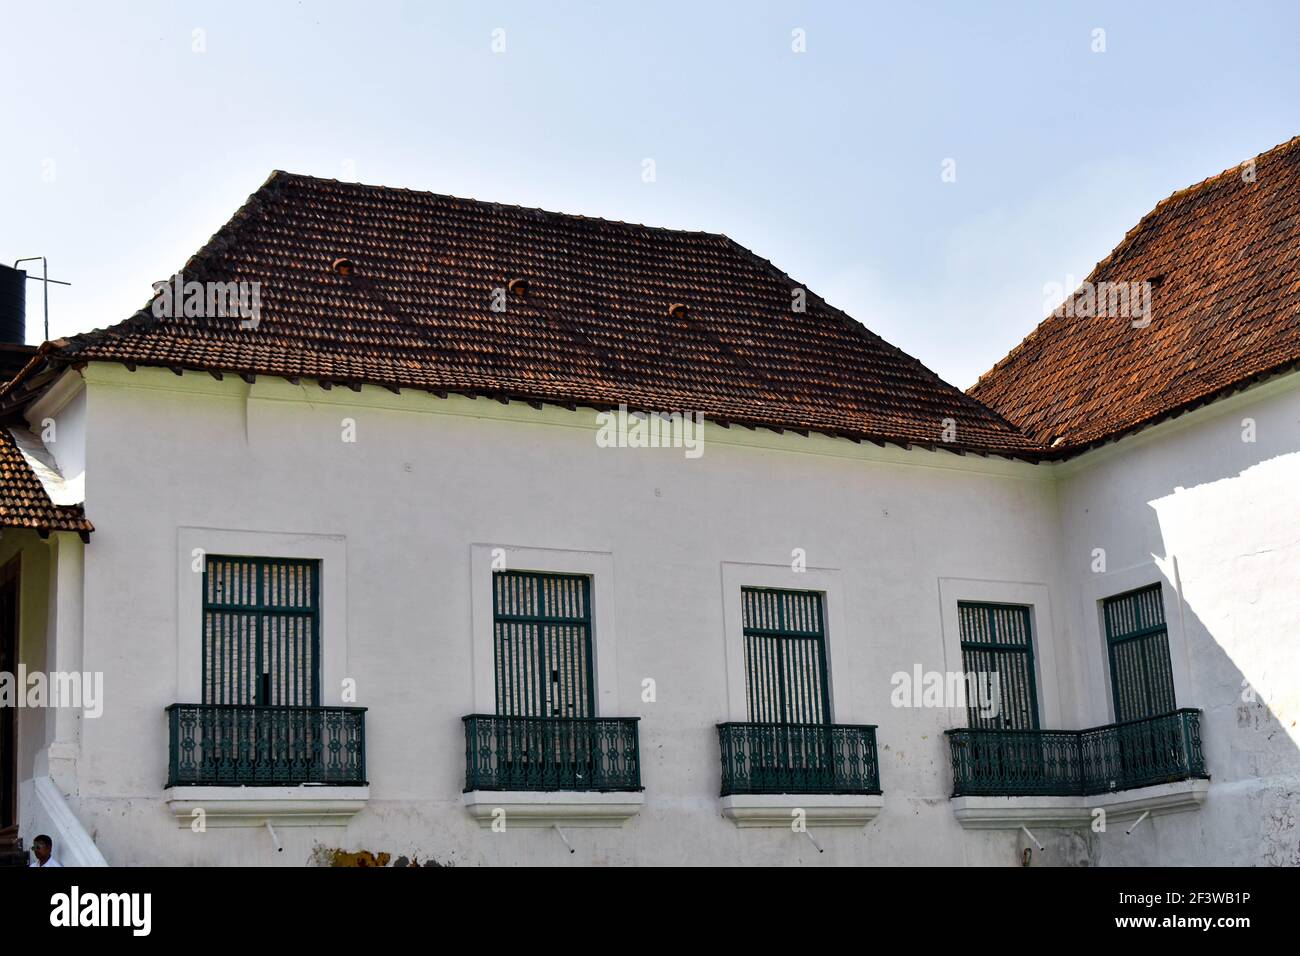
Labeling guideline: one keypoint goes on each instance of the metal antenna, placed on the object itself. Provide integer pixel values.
(45, 281)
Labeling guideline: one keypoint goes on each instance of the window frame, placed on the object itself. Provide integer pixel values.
(1114, 640)
(1098, 699)
(329, 549)
(843, 704)
(543, 620)
(1037, 597)
(785, 639)
(1027, 648)
(260, 611)
(598, 566)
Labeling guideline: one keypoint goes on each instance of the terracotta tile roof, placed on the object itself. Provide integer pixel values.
(23, 501)
(593, 327)
(1224, 258)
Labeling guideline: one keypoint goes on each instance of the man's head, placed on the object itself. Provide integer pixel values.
(42, 846)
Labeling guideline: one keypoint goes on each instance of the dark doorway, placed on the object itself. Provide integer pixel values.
(9, 715)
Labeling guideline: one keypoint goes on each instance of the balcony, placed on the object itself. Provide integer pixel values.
(542, 771)
(245, 765)
(1161, 753)
(828, 772)
(236, 745)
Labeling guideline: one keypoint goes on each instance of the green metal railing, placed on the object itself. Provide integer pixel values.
(798, 758)
(1136, 753)
(552, 753)
(248, 745)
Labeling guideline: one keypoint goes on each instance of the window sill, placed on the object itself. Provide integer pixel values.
(527, 808)
(307, 806)
(1012, 813)
(820, 809)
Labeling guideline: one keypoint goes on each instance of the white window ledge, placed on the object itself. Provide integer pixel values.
(823, 810)
(1012, 813)
(526, 808)
(308, 806)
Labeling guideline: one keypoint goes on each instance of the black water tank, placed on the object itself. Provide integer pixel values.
(13, 306)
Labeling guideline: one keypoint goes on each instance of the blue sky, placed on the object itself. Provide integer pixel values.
(126, 148)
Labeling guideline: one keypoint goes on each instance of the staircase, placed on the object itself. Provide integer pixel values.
(11, 848)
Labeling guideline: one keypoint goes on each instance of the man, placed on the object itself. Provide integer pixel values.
(43, 850)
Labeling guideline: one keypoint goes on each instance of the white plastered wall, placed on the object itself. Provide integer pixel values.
(427, 481)
(900, 536)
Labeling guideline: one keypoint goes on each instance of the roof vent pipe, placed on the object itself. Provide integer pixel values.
(678, 311)
(342, 267)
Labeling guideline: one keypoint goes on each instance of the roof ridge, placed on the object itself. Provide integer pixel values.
(1178, 194)
(574, 216)
(752, 363)
(1233, 170)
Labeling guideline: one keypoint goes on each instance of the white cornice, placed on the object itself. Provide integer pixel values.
(272, 389)
(1278, 385)
(52, 401)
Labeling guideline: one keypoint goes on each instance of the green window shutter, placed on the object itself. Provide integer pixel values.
(785, 656)
(542, 645)
(1137, 643)
(261, 631)
(997, 639)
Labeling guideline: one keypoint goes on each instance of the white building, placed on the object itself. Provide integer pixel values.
(330, 530)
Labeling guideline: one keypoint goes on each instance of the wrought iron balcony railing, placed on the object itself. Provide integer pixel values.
(552, 753)
(798, 758)
(1137, 753)
(246, 745)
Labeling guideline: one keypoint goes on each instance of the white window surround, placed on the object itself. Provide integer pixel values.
(1110, 584)
(828, 581)
(777, 810)
(1037, 598)
(533, 808)
(235, 806)
(596, 565)
(330, 550)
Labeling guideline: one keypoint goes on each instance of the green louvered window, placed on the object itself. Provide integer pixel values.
(785, 656)
(996, 639)
(1137, 642)
(542, 637)
(261, 631)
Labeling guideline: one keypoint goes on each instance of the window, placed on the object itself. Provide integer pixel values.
(996, 639)
(1137, 643)
(261, 631)
(785, 656)
(542, 638)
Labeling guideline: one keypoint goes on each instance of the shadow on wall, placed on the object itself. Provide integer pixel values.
(1230, 531)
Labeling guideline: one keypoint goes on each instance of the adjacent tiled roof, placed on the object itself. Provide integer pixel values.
(1224, 261)
(593, 328)
(23, 501)
(13, 358)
